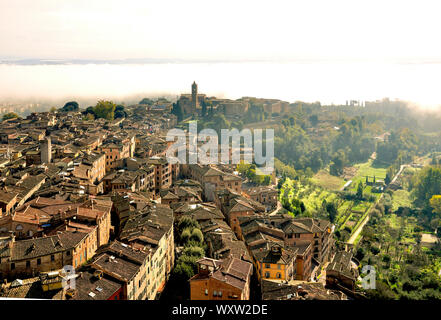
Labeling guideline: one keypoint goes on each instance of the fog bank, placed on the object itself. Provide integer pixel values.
(325, 82)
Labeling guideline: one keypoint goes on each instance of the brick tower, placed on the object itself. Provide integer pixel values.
(194, 96)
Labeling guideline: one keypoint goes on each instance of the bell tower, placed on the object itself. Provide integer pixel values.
(194, 96)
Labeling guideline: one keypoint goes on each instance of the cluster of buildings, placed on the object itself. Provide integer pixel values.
(88, 211)
(86, 196)
(192, 104)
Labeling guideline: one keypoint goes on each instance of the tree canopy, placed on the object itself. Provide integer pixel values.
(427, 185)
(105, 109)
(10, 115)
(146, 101)
(70, 106)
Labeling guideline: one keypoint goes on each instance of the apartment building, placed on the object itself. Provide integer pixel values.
(92, 284)
(90, 167)
(152, 229)
(179, 194)
(163, 172)
(227, 279)
(311, 239)
(273, 260)
(233, 206)
(31, 256)
(115, 153)
(267, 196)
(127, 265)
(131, 181)
(212, 179)
(8, 201)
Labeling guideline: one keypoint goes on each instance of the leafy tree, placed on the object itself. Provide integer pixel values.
(219, 122)
(185, 235)
(428, 184)
(197, 236)
(375, 250)
(120, 112)
(187, 222)
(70, 106)
(284, 170)
(314, 120)
(435, 224)
(360, 190)
(146, 101)
(302, 207)
(388, 179)
(435, 203)
(255, 113)
(251, 172)
(332, 211)
(204, 109)
(360, 254)
(185, 269)
(194, 251)
(266, 180)
(10, 115)
(338, 163)
(177, 111)
(105, 110)
(401, 146)
(434, 160)
(381, 292)
(89, 116)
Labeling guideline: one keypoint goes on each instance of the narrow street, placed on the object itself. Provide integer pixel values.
(274, 212)
(358, 231)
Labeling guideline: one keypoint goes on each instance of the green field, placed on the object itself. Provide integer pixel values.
(327, 181)
(349, 212)
(367, 169)
(401, 198)
(311, 195)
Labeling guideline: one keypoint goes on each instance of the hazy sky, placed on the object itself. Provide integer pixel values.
(337, 49)
(201, 29)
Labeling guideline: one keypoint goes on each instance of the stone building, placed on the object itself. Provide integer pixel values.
(191, 102)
